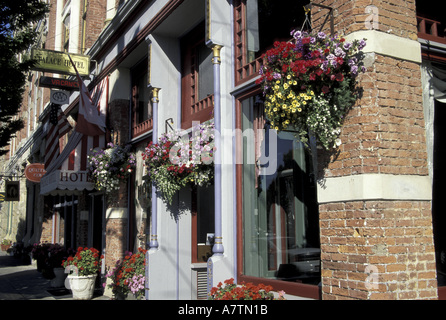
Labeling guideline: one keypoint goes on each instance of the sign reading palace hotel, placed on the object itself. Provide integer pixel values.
(59, 62)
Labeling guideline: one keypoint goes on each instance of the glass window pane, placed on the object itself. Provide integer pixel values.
(260, 15)
(205, 72)
(281, 236)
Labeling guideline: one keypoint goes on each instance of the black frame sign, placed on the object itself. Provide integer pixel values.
(59, 83)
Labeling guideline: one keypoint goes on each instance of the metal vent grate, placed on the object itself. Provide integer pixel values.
(202, 278)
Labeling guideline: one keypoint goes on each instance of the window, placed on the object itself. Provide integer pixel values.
(258, 23)
(141, 103)
(197, 82)
(279, 214)
(66, 34)
(202, 223)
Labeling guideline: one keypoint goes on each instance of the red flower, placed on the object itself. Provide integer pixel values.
(339, 77)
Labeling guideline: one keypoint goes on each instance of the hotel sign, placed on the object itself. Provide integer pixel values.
(59, 62)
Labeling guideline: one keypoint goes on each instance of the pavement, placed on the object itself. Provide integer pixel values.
(24, 282)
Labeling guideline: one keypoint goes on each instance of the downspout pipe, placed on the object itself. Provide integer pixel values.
(153, 244)
(218, 243)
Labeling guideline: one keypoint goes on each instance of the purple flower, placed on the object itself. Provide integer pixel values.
(362, 44)
(347, 46)
(339, 52)
(321, 35)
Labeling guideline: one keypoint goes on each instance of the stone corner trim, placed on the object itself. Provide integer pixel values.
(374, 187)
(388, 44)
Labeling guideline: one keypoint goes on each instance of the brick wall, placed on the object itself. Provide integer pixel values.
(386, 237)
(383, 248)
(95, 18)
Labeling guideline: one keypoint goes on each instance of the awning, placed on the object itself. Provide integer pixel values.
(67, 174)
(72, 177)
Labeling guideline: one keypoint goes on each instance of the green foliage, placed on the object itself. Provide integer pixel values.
(16, 36)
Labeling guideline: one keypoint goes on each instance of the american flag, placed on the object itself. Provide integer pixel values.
(58, 126)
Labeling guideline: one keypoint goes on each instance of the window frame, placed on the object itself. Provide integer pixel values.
(138, 72)
(193, 109)
(244, 70)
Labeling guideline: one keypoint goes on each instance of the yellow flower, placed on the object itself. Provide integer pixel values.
(288, 77)
(294, 82)
(275, 109)
(299, 109)
(285, 86)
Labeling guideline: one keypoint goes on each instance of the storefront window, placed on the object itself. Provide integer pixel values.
(280, 219)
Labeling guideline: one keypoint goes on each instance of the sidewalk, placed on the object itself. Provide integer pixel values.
(24, 282)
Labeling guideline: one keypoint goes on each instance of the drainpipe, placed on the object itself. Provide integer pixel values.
(153, 244)
(218, 244)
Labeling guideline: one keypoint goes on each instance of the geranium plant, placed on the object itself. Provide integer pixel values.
(179, 158)
(107, 167)
(244, 291)
(86, 261)
(309, 84)
(128, 275)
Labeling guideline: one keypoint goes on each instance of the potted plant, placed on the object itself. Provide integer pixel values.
(309, 84)
(57, 253)
(244, 291)
(6, 244)
(128, 276)
(39, 252)
(82, 269)
(179, 159)
(107, 167)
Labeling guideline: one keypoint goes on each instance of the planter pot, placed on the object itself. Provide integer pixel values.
(82, 287)
(59, 278)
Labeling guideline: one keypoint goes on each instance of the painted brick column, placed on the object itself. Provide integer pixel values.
(374, 193)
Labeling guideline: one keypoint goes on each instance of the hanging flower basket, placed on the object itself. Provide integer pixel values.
(107, 167)
(309, 84)
(179, 159)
